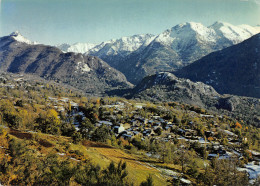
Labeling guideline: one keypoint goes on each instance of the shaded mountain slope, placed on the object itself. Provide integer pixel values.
(234, 70)
(84, 72)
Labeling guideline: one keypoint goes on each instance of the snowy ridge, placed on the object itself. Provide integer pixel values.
(77, 47)
(122, 46)
(236, 34)
(180, 36)
(18, 37)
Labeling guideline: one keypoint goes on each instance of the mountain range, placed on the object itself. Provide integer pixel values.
(141, 55)
(88, 73)
(207, 62)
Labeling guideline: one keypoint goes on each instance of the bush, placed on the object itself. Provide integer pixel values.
(148, 182)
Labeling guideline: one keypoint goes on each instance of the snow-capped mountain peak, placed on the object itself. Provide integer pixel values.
(235, 34)
(122, 46)
(181, 35)
(77, 47)
(19, 37)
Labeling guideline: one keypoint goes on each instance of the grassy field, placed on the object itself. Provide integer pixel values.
(138, 170)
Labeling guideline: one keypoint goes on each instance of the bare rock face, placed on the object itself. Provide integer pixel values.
(87, 73)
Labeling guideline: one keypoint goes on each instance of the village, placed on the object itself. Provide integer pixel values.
(129, 120)
(156, 128)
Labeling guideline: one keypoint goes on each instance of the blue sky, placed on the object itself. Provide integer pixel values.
(94, 21)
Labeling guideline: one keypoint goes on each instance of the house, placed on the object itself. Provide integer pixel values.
(107, 123)
(168, 128)
(209, 133)
(211, 156)
(136, 133)
(74, 105)
(152, 133)
(147, 132)
(140, 119)
(255, 154)
(206, 116)
(221, 151)
(181, 132)
(119, 129)
(135, 122)
(161, 120)
(157, 124)
(231, 134)
(127, 136)
(156, 117)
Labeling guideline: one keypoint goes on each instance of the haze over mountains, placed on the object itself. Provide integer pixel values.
(142, 55)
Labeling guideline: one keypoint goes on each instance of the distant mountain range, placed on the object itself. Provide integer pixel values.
(233, 70)
(141, 55)
(113, 47)
(88, 73)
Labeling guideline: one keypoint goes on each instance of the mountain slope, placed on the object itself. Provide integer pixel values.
(182, 45)
(84, 72)
(234, 70)
(166, 87)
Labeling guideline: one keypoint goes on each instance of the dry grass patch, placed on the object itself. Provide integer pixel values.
(138, 170)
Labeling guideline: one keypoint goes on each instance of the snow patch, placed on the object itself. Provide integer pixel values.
(18, 37)
(83, 67)
(236, 34)
(77, 47)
